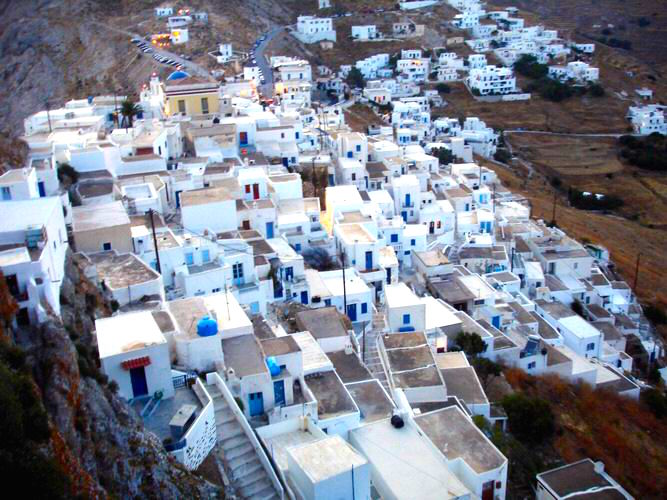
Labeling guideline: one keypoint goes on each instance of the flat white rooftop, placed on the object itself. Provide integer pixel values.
(579, 327)
(127, 332)
(326, 458)
(438, 315)
(333, 280)
(404, 462)
(18, 215)
(399, 295)
(314, 358)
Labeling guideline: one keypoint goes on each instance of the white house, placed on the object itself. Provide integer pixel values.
(311, 29)
(648, 119)
(33, 244)
(366, 32)
(209, 208)
(577, 71)
(492, 80)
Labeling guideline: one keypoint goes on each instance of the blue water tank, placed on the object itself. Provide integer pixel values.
(274, 368)
(207, 327)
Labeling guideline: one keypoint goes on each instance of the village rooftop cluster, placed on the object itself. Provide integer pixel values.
(287, 293)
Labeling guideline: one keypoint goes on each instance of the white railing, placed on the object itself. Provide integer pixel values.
(200, 438)
(214, 378)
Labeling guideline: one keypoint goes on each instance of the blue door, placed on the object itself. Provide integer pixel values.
(285, 162)
(331, 180)
(279, 392)
(369, 261)
(389, 276)
(404, 214)
(352, 312)
(178, 199)
(304, 297)
(407, 200)
(138, 379)
(496, 321)
(42, 189)
(256, 404)
(269, 230)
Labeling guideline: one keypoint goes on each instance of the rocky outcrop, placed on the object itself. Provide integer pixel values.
(96, 438)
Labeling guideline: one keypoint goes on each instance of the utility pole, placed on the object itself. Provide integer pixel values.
(48, 115)
(553, 213)
(342, 258)
(363, 344)
(637, 272)
(157, 251)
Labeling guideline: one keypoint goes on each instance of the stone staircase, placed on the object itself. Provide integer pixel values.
(236, 452)
(372, 356)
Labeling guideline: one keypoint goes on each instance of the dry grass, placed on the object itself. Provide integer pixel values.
(359, 117)
(623, 237)
(604, 426)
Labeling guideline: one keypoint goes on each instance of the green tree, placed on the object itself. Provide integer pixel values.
(470, 343)
(530, 420)
(355, 79)
(128, 111)
(445, 156)
(67, 174)
(443, 88)
(527, 65)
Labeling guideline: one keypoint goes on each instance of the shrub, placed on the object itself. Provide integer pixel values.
(648, 152)
(470, 343)
(443, 88)
(445, 156)
(67, 172)
(593, 201)
(527, 65)
(656, 402)
(502, 155)
(596, 90)
(530, 419)
(655, 315)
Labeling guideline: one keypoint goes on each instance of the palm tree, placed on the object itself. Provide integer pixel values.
(129, 110)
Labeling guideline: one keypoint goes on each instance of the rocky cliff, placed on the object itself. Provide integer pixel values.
(86, 441)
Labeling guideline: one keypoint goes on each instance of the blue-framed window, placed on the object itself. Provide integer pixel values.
(237, 272)
(327, 302)
(413, 242)
(590, 346)
(394, 238)
(205, 255)
(406, 319)
(189, 259)
(358, 148)
(364, 308)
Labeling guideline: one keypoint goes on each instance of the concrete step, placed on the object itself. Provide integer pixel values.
(230, 428)
(230, 442)
(266, 494)
(238, 450)
(236, 463)
(251, 489)
(246, 469)
(251, 477)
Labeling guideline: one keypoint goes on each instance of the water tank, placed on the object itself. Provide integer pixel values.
(274, 368)
(207, 327)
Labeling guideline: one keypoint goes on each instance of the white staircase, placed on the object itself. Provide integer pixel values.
(241, 462)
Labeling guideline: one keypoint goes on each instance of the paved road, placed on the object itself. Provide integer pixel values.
(262, 61)
(562, 134)
(188, 66)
